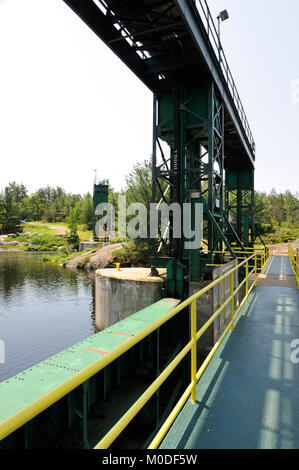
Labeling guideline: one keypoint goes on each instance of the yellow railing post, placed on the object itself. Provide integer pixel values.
(265, 257)
(247, 280)
(193, 351)
(232, 300)
(255, 269)
(297, 265)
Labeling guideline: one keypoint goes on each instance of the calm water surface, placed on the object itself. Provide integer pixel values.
(43, 309)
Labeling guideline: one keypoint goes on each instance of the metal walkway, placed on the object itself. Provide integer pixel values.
(279, 265)
(248, 397)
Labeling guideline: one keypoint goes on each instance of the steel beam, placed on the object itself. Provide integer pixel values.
(102, 26)
(207, 53)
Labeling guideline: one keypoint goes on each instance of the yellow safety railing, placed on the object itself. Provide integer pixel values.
(17, 420)
(264, 254)
(251, 275)
(294, 260)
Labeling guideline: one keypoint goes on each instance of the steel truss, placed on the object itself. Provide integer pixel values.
(239, 203)
(190, 120)
(174, 48)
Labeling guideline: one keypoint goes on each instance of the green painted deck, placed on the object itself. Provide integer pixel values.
(25, 388)
(248, 397)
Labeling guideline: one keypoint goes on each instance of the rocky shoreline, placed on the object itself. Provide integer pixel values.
(87, 261)
(6, 245)
(92, 261)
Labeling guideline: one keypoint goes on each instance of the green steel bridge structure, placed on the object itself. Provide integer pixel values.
(203, 148)
(141, 383)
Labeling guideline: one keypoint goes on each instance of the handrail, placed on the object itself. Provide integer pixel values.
(294, 260)
(20, 418)
(264, 255)
(215, 41)
(116, 430)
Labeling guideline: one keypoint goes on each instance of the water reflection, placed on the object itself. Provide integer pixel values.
(43, 309)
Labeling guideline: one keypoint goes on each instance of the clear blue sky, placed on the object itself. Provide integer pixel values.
(69, 106)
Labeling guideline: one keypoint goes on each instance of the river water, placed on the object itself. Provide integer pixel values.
(43, 309)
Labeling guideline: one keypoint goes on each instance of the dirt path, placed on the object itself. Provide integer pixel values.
(283, 249)
(280, 249)
(59, 229)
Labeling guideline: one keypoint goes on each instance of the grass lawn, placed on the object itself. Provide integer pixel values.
(57, 228)
(37, 227)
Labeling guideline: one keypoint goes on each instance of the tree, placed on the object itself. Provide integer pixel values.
(72, 223)
(87, 212)
(139, 184)
(139, 190)
(12, 206)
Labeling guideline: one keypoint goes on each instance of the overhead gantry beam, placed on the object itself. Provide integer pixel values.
(194, 24)
(175, 50)
(163, 41)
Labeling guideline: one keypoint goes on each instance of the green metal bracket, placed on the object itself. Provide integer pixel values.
(175, 282)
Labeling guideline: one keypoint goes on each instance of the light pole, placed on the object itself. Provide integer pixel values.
(223, 15)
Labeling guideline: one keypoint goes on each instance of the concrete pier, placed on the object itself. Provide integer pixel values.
(119, 294)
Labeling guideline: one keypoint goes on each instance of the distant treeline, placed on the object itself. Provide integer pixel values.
(46, 204)
(277, 215)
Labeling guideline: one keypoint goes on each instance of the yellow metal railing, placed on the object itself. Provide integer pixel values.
(251, 275)
(17, 420)
(263, 253)
(294, 260)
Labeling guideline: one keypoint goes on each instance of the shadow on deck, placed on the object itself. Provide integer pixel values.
(248, 397)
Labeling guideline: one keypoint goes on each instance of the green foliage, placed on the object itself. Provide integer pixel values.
(48, 242)
(277, 216)
(139, 184)
(63, 256)
(83, 263)
(139, 190)
(87, 212)
(43, 242)
(12, 207)
(283, 234)
(134, 253)
(50, 204)
(73, 219)
(73, 222)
